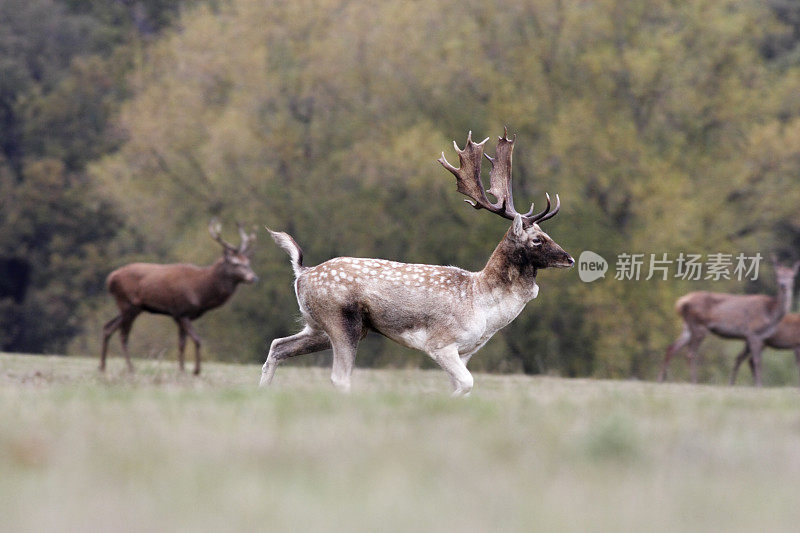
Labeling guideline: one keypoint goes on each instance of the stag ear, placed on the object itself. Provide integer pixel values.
(517, 229)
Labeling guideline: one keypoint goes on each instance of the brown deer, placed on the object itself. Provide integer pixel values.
(752, 317)
(786, 337)
(444, 311)
(183, 291)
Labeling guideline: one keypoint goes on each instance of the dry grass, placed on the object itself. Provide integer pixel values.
(159, 451)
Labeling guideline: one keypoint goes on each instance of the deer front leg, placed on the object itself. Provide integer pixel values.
(187, 326)
(307, 341)
(755, 345)
(451, 362)
(739, 360)
(181, 347)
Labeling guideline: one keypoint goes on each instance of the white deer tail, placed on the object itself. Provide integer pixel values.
(285, 241)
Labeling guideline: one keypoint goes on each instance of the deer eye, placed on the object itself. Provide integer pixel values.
(536, 241)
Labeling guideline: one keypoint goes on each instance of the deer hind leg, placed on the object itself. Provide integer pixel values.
(108, 329)
(697, 336)
(124, 331)
(675, 347)
(739, 360)
(187, 326)
(456, 368)
(307, 341)
(345, 330)
(344, 339)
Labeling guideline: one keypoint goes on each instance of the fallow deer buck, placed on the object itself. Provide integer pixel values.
(786, 337)
(183, 291)
(444, 311)
(751, 317)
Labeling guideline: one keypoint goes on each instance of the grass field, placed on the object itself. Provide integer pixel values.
(159, 451)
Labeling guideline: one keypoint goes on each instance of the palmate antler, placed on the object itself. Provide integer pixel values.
(468, 180)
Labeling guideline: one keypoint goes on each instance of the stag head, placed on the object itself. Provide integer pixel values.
(235, 259)
(530, 246)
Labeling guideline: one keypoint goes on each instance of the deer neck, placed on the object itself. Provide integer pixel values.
(509, 270)
(219, 286)
(784, 302)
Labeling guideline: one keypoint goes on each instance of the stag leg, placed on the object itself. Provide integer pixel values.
(307, 341)
(187, 326)
(344, 332)
(124, 332)
(698, 335)
(110, 327)
(755, 345)
(739, 360)
(451, 362)
(675, 347)
(344, 357)
(181, 346)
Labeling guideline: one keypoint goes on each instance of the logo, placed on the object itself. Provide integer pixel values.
(591, 266)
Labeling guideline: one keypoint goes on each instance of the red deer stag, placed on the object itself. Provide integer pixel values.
(183, 291)
(752, 317)
(444, 311)
(786, 337)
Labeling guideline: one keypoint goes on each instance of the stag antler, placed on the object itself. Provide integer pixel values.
(468, 179)
(247, 240)
(214, 228)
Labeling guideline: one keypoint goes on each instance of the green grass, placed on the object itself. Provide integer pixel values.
(160, 451)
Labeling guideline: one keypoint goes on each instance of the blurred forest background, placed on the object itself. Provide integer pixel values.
(126, 125)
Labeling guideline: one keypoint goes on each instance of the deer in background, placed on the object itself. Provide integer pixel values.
(786, 337)
(751, 317)
(183, 291)
(444, 311)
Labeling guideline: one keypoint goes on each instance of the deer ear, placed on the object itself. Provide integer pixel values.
(516, 227)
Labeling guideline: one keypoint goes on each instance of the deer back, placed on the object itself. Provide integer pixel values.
(179, 289)
(787, 334)
(730, 315)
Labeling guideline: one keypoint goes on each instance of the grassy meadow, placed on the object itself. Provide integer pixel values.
(161, 451)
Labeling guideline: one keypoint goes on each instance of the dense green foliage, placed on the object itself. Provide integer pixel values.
(62, 77)
(665, 127)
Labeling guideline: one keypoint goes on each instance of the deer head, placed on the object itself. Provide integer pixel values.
(235, 260)
(785, 275)
(527, 245)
